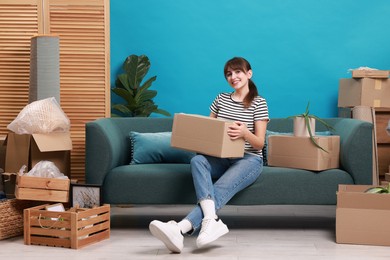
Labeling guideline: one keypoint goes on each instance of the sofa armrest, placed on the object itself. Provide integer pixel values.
(356, 148)
(104, 149)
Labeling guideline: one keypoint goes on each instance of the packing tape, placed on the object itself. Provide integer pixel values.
(377, 103)
(378, 84)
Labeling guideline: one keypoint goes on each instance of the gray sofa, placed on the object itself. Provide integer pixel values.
(108, 154)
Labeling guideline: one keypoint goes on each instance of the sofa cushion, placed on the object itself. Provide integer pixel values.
(156, 148)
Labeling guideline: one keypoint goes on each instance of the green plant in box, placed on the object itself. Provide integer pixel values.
(307, 117)
(379, 189)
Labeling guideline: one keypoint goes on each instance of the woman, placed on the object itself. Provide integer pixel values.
(217, 180)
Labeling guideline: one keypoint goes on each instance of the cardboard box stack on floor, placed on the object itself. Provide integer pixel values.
(361, 217)
(37, 156)
(25, 147)
(366, 96)
(39, 133)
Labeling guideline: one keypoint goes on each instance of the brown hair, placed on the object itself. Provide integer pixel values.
(239, 63)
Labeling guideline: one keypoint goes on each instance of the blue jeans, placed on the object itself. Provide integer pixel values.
(220, 179)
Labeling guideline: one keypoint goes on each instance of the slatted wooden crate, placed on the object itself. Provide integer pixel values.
(42, 189)
(74, 228)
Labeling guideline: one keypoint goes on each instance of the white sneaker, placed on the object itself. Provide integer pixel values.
(211, 230)
(169, 233)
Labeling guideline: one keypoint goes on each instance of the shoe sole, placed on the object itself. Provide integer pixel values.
(156, 231)
(224, 231)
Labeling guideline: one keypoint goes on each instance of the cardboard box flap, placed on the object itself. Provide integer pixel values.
(53, 142)
(354, 196)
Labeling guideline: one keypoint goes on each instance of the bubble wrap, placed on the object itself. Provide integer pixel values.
(41, 116)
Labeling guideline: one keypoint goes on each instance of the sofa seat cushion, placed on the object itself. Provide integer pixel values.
(172, 184)
(158, 183)
(278, 185)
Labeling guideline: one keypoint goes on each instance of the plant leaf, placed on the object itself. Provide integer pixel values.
(123, 93)
(162, 112)
(121, 108)
(148, 83)
(136, 68)
(147, 95)
(307, 121)
(322, 122)
(122, 81)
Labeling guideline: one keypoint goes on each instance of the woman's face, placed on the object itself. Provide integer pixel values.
(238, 79)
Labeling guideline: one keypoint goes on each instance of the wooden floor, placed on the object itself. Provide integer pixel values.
(259, 232)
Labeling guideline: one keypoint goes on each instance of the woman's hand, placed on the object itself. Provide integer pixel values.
(237, 130)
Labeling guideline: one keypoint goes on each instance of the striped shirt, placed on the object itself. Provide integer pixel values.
(226, 108)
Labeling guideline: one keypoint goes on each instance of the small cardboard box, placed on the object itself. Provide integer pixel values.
(73, 228)
(301, 153)
(29, 149)
(361, 217)
(364, 92)
(377, 74)
(205, 135)
(42, 189)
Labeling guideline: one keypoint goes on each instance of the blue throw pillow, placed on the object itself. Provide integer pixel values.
(156, 148)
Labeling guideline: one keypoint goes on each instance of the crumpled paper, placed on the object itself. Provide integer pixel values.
(362, 68)
(43, 169)
(40, 117)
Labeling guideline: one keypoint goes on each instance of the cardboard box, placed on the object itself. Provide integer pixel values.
(74, 228)
(205, 135)
(364, 92)
(361, 217)
(301, 153)
(42, 189)
(370, 74)
(30, 149)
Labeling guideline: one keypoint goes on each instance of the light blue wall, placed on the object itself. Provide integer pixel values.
(298, 49)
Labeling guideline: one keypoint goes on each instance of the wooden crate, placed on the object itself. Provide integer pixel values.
(74, 228)
(42, 189)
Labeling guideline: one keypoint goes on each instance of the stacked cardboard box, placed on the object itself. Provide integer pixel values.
(29, 149)
(366, 96)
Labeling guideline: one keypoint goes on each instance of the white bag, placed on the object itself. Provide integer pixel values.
(40, 117)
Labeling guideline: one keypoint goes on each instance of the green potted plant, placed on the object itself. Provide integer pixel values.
(379, 189)
(130, 87)
(304, 125)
